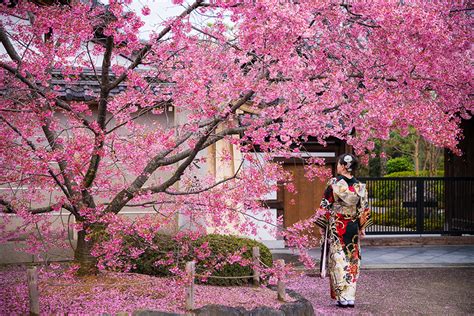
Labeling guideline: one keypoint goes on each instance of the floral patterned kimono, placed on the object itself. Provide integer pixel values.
(345, 212)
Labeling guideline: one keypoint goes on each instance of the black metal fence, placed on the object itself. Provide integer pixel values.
(421, 205)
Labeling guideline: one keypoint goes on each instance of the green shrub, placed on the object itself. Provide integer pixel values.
(385, 190)
(395, 216)
(423, 173)
(433, 189)
(390, 190)
(399, 164)
(384, 203)
(162, 245)
(433, 224)
(219, 245)
(401, 217)
(224, 244)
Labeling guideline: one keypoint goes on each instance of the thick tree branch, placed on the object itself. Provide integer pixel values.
(365, 24)
(104, 90)
(51, 137)
(47, 131)
(122, 198)
(152, 165)
(47, 209)
(9, 46)
(181, 168)
(30, 82)
(162, 161)
(461, 10)
(101, 116)
(356, 18)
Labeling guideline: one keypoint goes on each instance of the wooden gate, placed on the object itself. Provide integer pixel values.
(302, 204)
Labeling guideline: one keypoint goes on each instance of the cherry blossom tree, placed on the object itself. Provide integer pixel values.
(266, 74)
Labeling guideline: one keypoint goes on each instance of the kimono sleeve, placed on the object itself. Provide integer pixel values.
(365, 219)
(325, 206)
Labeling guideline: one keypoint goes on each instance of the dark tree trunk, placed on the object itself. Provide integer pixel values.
(83, 256)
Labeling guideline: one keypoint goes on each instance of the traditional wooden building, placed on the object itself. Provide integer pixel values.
(296, 207)
(459, 185)
(462, 166)
(282, 203)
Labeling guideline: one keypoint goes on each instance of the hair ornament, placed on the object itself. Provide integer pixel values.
(348, 160)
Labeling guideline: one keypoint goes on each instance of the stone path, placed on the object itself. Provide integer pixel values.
(432, 291)
(415, 280)
(419, 257)
(396, 257)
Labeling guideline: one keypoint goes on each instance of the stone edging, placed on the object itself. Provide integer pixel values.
(300, 307)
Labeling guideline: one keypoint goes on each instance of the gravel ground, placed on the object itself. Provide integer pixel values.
(436, 291)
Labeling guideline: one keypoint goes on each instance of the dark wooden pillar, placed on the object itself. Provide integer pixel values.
(459, 189)
(462, 166)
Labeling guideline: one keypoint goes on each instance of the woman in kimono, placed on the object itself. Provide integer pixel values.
(344, 212)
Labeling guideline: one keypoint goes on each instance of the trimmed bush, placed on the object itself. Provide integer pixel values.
(162, 246)
(166, 248)
(385, 190)
(395, 216)
(433, 224)
(400, 217)
(225, 245)
(423, 173)
(388, 190)
(399, 164)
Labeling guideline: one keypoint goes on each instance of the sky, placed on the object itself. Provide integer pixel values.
(160, 10)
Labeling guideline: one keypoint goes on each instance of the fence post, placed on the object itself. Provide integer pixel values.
(256, 265)
(420, 205)
(281, 287)
(190, 269)
(32, 276)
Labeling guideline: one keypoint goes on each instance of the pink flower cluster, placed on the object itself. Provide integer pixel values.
(163, 123)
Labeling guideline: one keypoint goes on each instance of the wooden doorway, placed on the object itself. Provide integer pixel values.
(306, 201)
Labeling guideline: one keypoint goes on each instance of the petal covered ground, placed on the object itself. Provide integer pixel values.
(433, 291)
(112, 292)
(403, 291)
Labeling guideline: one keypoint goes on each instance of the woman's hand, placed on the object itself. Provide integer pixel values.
(322, 233)
(362, 234)
(364, 216)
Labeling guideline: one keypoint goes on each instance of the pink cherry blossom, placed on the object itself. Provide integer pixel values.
(146, 132)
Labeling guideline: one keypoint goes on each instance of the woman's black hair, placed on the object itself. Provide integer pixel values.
(349, 161)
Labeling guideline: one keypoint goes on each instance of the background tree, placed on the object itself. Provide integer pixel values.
(305, 68)
(424, 156)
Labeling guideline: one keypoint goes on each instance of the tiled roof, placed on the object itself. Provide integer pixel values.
(88, 86)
